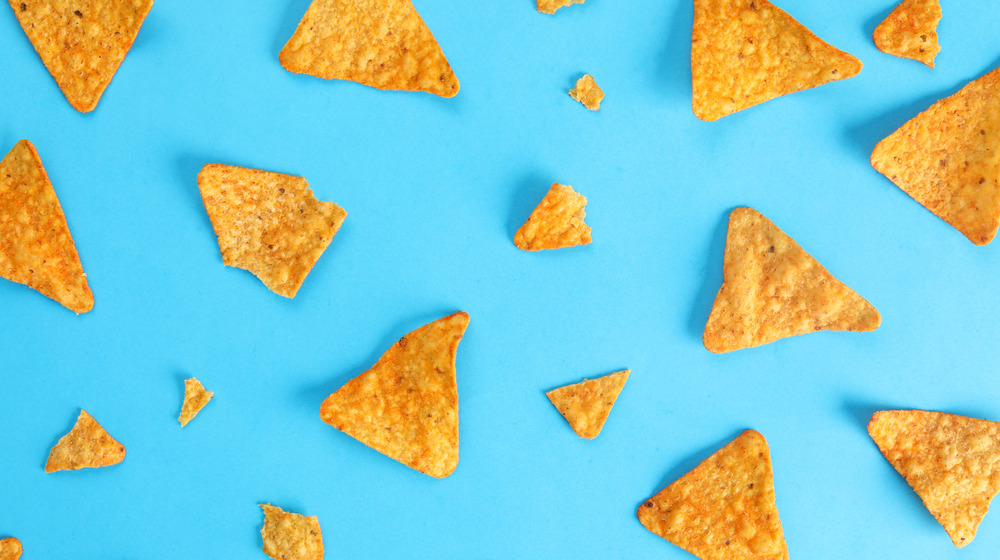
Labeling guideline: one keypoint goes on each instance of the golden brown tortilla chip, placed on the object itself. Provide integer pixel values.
(195, 398)
(406, 405)
(36, 248)
(910, 31)
(745, 52)
(587, 92)
(773, 289)
(586, 405)
(550, 6)
(379, 43)
(10, 549)
(290, 536)
(724, 509)
(952, 462)
(86, 445)
(268, 223)
(556, 222)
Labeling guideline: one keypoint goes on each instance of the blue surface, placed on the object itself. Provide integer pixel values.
(435, 189)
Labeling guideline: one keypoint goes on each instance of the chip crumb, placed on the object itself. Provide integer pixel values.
(10, 549)
(586, 405)
(587, 92)
(195, 398)
(86, 445)
(291, 536)
(910, 31)
(556, 222)
(550, 6)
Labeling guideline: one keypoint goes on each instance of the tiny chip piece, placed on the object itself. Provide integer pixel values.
(10, 549)
(550, 6)
(951, 461)
(724, 509)
(586, 405)
(587, 92)
(379, 43)
(406, 405)
(745, 52)
(36, 248)
(195, 398)
(556, 222)
(910, 31)
(268, 223)
(291, 536)
(773, 289)
(86, 445)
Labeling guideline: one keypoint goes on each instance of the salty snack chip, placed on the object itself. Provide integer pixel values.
(10, 549)
(910, 31)
(586, 405)
(290, 536)
(587, 92)
(556, 222)
(550, 6)
(195, 398)
(86, 445)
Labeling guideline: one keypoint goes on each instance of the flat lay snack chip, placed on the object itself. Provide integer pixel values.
(556, 222)
(773, 289)
(951, 461)
(406, 405)
(587, 92)
(586, 405)
(86, 445)
(550, 6)
(82, 42)
(10, 549)
(290, 536)
(379, 43)
(36, 248)
(724, 509)
(195, 398)
(745, 52)
(910, 31)
(268, 223)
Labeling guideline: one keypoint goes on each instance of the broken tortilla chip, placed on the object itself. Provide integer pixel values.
(550, 6)
(773, 289)
(951, 461)
(290, 536)
(10, 549)
(195, 398)
(86, 445)
(556, 222)
(586, 405)
(745, 52)
(910, 31)
(587, 92)
(724, 509)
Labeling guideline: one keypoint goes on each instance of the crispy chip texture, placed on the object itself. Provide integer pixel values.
(36, 248)
(406, 405)
(556, 222)
(86, 445)
(586, 405)
(724, 509)
(82, 42)
(379, 43)
(587, 92)
(946, 158)
(268, 223)
(550, 6)
(195, 398)
(290, 536)
(951, 461)
(745, 52)
(10, 549)
(773, 289)
(910, 31)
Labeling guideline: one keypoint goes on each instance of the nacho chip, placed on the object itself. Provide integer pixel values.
(82, 42)
(556, 222)
(290, 536)
(86, 445)
(587, 92)
(379, 43)
(724, 509)
(952, 462)
(910, 31)
(773, 289)
(745, 52)
(36, 248)
(195, 398)
(550, 6)
(10, 549)
(586, 405)
(268, 223)
(406, 405)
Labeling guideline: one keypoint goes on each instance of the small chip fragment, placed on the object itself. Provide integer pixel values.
(724, 509)
(773, 289)
(406, 405)
(586, 405)
(86, 445)
(10, 549)
(195, 398)
(291, 536)
(268, 223)
(550, 6)
(910, 31)
(951, 461)
(587, 92)
(556, 222)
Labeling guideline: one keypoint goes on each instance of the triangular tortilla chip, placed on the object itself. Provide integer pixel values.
(268, 223)
(947, 159)
(36, 248)
(291, 536)
(910, 31)
(745, 52)
(588, 92)
(550, 6)
(556, 222)
(86, 445)
(951, 461)
(10, 549)
(82, 42)
(773, 289)
(406, 405)
(379, 43)
(195, 398)
(724, 509)
(586, 405)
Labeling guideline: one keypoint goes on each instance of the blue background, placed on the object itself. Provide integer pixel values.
(435, 189)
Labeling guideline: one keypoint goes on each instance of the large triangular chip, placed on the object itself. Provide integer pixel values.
(195, 399)
(724, 509)
(586, 405)
(948, 158)
(406, 405)
(745, 52)
(910, 31)
(951, 461)
(86, 445)
(291, 536)
(556, 222)
(379, 43)
(773, 289)
(10, 549)
(82, 42)
(36, 248)
(550, 6)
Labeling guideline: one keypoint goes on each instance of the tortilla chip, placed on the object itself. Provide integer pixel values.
(556, 222)
(379, 43)
(36, 248)
(86, 445)
(745, 52)
(586, 405)
(910, 31)
(82, 42)
(946, 158)
(724, 509)
(10, 549)
(550, 6)
(406, 405)
(290, 536)
(195, 398)
(268, 223)
(773, 289)
(587, 92)
(952, 462)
